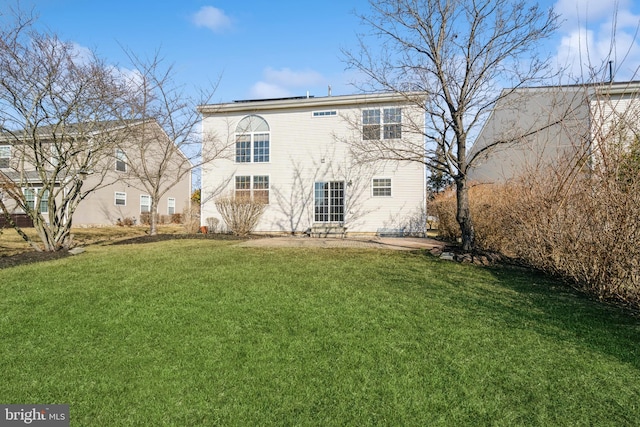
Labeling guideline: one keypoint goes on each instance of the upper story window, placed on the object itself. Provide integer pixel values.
(121, 160)
(252, 140)
(325, 113)
(383, 123)
(5, 155)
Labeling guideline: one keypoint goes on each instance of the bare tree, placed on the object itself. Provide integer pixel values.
(55, 109)
(165, 150)
(455, 54)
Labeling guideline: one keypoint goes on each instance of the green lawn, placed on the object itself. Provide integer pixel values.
(201, 332)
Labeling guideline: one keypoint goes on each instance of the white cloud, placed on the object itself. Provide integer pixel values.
(593, 34)
(288, 77)
(285, 82)
(212, 18)
(269, 90)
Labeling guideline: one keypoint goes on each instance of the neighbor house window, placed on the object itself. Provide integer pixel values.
(254, 188)
(121, 160)
(382, 124)
(252, 140)
(145, 203)
(5, 155)
(381, 187)
(55, 155)
(43, 203)
(29, 198)
(171, 206)
(121, 199)
(36, 199)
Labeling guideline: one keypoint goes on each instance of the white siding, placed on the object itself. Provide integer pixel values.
(307, 149)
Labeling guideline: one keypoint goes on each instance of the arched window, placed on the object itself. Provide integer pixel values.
(252, 140)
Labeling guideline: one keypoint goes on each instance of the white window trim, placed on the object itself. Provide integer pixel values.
(252, 188)
(8, 157)
(252, 148)
(381, 123)
(169, 205)
(390, 187)
(123, 160)
(115, 201)
(149, 198)
(326, 113)
(37, 193)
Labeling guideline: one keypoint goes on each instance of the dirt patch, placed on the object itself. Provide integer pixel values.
(30, 257)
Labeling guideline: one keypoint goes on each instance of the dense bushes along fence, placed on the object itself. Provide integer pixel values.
(583, 226)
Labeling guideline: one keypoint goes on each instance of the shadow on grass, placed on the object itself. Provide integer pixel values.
(553, 309)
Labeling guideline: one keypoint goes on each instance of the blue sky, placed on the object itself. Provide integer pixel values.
(263, 49)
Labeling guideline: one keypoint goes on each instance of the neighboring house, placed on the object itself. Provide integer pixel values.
(293, 154)
(538, 127)
(119, 195)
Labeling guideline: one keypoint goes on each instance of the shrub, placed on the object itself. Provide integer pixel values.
(240, 214)
(126, 222)
(212, 224)
(581, 226)
(191, 219)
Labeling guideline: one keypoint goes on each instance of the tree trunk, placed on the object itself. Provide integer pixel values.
(463, 215)
(153, 217)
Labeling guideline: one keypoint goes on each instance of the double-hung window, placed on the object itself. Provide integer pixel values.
(171, 206)
(36, 199)
(121, 198)
(254, 188)
(383, 123)
(121, 160)
(29, 198)
(243, 149)
(381, 187)
(5, 156)
(252, 140)
(145, 203)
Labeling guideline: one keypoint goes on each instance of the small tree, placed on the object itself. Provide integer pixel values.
(170, 147)
(56, 107)
(455, 53)
(240, 214)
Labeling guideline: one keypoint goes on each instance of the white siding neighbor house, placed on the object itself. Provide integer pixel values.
(542, 126)
(294, 155)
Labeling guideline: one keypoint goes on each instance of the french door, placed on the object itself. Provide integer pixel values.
(329, 202)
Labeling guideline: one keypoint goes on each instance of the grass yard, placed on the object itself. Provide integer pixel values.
(202, 332)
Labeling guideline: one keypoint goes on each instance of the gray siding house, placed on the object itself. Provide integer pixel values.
(119, 195)
(533, 128)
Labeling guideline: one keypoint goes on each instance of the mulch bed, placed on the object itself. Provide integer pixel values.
(29, 257)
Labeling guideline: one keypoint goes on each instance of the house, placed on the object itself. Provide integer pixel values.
(532, 128)
(119, 192)
(293, 154)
